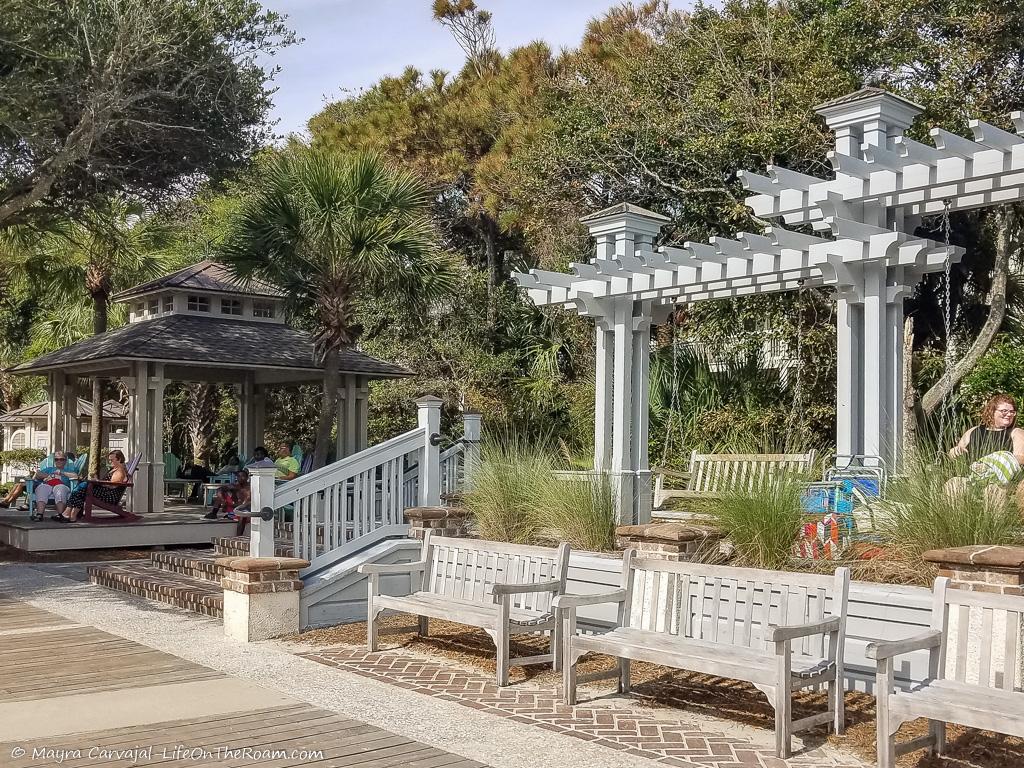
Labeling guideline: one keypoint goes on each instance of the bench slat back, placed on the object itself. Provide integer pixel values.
(466, 568)
(719, 472)
(982, 634)
(721, 604)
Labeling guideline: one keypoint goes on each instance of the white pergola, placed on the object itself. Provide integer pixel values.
(861, 246)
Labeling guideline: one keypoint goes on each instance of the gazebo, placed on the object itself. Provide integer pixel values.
(857, 236)
(200, 325)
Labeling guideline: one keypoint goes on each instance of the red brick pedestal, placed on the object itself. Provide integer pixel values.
(443, 521)
(261, 596)
(982, 568)
(669, 541)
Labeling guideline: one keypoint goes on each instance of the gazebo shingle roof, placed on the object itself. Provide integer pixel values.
(207, 276)
(209, 341)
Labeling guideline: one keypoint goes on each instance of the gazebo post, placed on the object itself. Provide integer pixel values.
(363, 415)
(156, 385)
(139, 443)
(259, 418)
(245, 395)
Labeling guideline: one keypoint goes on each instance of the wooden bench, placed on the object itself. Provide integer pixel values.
(711, 474)
(780, 631)
(974, 664)
(504, 589)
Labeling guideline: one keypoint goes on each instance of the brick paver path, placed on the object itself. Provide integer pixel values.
(665, 739)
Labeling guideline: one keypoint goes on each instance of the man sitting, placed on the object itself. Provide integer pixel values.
(287, 465)
(230, 496)
(53, 483)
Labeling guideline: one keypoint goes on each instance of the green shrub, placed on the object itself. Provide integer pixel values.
(924, 511)
(22, 458)
(580, 509)
(761, 523)
(518, 497)
(510, 477)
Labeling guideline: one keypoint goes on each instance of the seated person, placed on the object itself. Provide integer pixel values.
(260, 458)
(988, 448)
(998, 431)
(16, 492)
(198, 472)
(230, 496)
(53, 483)
(118, 473)
(232, 466)
(287, 465)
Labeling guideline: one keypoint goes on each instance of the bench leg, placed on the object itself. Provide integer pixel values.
(885, 734)
(568, 660)
(937, 728)
(837, 694)
(424, 625)
(371, 613)
(623, 675)
(501, 640)
(783, 701)
(556, 645)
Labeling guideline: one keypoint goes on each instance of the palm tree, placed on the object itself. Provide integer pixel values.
(112, 247)
(334, 231)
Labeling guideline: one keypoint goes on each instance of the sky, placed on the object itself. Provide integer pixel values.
(350, 44)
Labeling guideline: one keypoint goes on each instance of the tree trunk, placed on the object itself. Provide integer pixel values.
(1007, 242)
(909, 396)
(203, 402)
(328, 408)
(100, 309)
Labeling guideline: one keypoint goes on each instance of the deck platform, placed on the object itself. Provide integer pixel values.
(178, 524)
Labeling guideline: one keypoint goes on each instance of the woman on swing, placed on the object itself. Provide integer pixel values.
(997, 432)
(995, 451)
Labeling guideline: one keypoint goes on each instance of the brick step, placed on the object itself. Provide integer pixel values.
(195, 565)
(192, 594)
(238, 546)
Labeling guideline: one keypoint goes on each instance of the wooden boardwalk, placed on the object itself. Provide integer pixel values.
(77, 696)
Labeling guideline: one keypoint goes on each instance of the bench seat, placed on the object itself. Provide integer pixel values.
(989, 709)
(756, 666)
(779, 631)
(974, 651)
(503, 589)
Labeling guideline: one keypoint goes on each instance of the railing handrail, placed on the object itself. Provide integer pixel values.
(452, 450)
(366, 459)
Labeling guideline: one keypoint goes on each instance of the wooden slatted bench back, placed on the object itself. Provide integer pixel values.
(730, 605)
(982, 634)
(720, 472)
(466, 568)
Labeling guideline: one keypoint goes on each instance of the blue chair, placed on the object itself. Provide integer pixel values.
(78, 466)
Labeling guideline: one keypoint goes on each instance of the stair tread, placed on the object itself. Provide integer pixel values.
(164, 586)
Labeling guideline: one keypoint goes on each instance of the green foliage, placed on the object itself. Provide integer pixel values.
(761, 522)
(518, 497)
(22, 458)
(929, 507)
(506, 484)
(112, 96)
(1000, 370)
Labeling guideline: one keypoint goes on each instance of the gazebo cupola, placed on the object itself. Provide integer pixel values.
(205, 289)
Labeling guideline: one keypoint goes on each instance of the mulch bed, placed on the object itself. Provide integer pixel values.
(660, 687)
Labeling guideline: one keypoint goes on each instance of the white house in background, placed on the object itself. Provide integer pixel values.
(25, 427)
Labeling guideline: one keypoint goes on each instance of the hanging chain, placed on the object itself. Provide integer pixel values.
(947, 322)
(796, 414)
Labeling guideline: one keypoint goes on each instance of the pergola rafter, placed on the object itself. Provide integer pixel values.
(863, 245)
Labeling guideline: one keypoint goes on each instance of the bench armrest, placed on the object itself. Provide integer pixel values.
(518, 589)
(779, 634)
(575, 601)
(377, 568)
(886, 649)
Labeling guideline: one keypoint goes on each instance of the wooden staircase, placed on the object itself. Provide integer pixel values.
(188, 579)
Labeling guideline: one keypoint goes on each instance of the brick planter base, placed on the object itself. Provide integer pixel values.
(443, 521)
(671, 541)
(981, 568)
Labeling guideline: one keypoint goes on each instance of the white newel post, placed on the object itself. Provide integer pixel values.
(261, 532)
(470, 447)
(429, 420)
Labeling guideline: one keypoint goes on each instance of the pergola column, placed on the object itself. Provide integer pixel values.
(640, 427)
(622, 410)
(604, 345)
